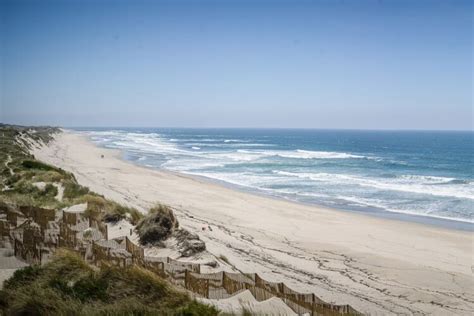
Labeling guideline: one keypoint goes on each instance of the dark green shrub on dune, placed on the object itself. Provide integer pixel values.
(34, 164)
(158, 225)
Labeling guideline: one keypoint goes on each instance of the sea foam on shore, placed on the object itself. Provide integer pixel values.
(418, 173)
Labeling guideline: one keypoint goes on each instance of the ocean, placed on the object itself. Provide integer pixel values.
(418, 174)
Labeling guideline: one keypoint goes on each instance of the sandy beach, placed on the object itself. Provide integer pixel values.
(379, 266)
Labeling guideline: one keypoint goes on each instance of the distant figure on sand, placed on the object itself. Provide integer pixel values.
(101, 156)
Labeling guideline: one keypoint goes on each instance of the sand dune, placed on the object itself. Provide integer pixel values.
(242, 301)
(378, 266)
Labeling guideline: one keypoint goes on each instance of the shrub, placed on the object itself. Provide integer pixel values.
(68, 286)
(73, 190)
(34, 164)
(49, 176)
(116, 212)
(13, 179)
(86, 289)
(23, 276)
(50, 190)
(25, 187)
(157, 226)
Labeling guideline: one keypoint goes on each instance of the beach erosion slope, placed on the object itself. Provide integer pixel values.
(379, 266)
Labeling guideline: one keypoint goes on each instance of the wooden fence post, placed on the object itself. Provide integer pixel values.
(224, 281)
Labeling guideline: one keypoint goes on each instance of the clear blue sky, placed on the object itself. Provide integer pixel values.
(313, 64)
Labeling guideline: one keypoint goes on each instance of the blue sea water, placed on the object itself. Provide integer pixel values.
(423, 173)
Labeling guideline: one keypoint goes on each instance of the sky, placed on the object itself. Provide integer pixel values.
(271, 64)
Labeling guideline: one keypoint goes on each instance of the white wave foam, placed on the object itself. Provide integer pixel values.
(104, 133)
(381, 204)
(234, 141)
(255, 182)
(294, 154)
(308, 154)
(245, 179)
(153, 142)
(411, 184)
(198, 159)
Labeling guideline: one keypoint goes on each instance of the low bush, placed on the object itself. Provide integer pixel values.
(115, 212)
(49, 176)
(158, 225)
(72, 190)
(34, 164)
(49, 191)
(23, 277)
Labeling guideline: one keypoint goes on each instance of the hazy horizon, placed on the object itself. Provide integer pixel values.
(269, 128)
(370, 65)
(237, 128)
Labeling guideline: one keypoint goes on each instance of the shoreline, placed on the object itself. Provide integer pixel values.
(374, 264)
(420, 219)
(425, 220)
(405, 217)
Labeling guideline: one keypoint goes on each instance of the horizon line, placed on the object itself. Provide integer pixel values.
(276, 128)
(247, 127)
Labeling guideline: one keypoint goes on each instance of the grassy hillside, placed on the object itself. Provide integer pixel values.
(19, 172)
(68, 285)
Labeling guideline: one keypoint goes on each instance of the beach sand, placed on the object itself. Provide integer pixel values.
(379, 266)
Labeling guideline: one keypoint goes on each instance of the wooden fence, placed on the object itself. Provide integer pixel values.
(123, 252)
(224, 284)
(29, 247)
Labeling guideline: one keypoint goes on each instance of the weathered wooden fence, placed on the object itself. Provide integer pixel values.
(29, 246)
(123, 252)
(224, 284)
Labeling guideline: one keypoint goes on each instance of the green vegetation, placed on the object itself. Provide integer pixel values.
(72, 190)
(33, 164)
(19, 171)
(69, 286)
(157, 226)
(108, 211)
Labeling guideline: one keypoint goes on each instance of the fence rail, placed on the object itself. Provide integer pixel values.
(123, 252)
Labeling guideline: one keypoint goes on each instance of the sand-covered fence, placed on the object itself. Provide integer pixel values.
(28, 227)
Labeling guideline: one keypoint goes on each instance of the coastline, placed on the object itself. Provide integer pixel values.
(436, 221)
(393, 213)
(376, 265)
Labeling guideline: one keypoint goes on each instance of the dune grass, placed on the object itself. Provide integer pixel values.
(69, 286)
(19, 188)
(108, 211)
(157, 225)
